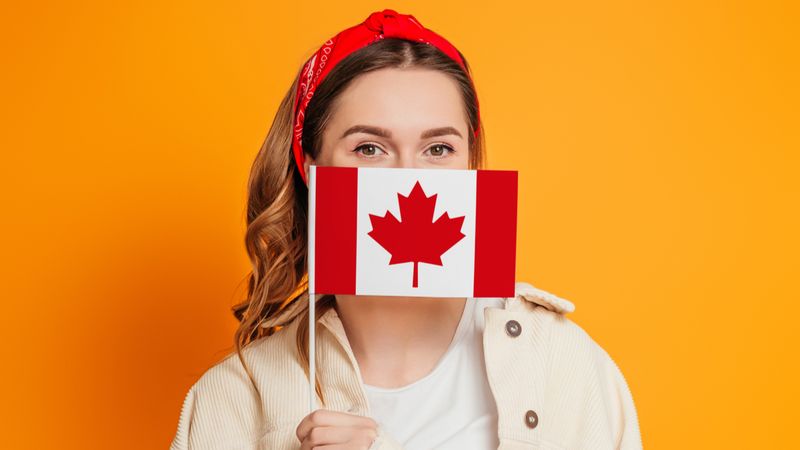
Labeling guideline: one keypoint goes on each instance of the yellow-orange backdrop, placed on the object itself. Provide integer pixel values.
(657, 149)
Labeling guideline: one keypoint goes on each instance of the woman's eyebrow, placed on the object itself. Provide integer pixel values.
(377, 131)
(442, 131)
(384, 133)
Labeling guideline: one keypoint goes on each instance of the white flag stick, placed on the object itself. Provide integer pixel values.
(312, 396)
(311, 358)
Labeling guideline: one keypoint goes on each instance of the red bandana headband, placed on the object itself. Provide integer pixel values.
(379, 25)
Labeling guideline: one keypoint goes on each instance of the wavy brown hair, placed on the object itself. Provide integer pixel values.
(277, 203)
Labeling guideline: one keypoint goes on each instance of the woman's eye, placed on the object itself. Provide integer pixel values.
(368, 149)
(440, 150)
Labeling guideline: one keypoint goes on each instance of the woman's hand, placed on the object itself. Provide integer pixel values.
(336, 431)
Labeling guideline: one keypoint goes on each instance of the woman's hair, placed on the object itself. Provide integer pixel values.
(277, 203)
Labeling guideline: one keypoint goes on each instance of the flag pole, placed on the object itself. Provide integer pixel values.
(312, 359)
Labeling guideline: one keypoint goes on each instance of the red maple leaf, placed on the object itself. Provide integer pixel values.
(417, 238)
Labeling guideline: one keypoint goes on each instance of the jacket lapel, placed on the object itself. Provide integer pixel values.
(338, 369)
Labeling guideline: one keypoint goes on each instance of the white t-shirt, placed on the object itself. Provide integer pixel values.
(452, 407)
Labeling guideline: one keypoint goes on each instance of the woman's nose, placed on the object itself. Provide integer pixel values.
(407, 160)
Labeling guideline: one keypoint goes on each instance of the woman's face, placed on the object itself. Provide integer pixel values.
(397, 118)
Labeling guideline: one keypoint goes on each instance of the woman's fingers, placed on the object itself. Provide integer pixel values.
(329, 435)
(355, 438)
(329, 418)
(340, 447)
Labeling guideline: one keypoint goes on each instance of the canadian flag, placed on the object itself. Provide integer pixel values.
(412, 232)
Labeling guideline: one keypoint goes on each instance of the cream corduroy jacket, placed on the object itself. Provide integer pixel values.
(554, 386)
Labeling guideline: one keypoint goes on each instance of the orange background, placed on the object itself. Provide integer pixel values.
(657, 146)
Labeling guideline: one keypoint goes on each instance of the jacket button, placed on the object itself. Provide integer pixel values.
(531, 419)
(513, 328)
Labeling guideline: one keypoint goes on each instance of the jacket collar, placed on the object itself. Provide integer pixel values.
(527, 291)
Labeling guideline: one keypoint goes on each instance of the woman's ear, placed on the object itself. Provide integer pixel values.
(307, 161)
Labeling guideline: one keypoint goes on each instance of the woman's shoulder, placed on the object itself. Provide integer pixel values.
(562, 334)
(222, 407)
(550, 313)
(573, 354)
(218, 409)
(261, 356)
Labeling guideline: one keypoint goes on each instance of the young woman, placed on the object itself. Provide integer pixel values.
(393, 372)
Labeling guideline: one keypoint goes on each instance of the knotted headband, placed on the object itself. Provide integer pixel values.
(379, 25)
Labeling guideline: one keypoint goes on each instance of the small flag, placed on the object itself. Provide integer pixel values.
(412, 232)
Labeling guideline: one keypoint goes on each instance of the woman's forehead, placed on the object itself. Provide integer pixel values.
(401, 99)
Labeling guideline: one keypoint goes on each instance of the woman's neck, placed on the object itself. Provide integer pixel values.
(398, 340)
